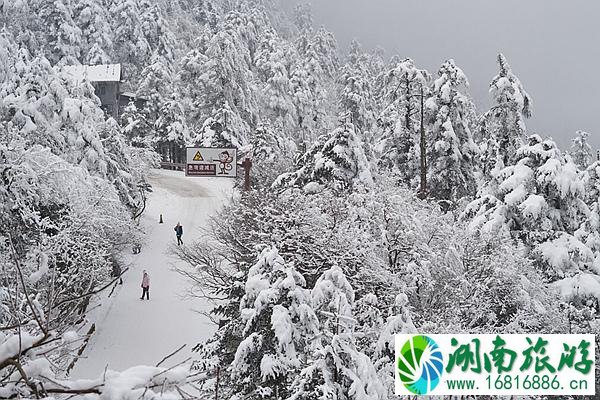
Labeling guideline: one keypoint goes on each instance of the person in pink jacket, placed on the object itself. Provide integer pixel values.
(145, 286)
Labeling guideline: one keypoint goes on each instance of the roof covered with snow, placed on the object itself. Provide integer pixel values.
(95, 73)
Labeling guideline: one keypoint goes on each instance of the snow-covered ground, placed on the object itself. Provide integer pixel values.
(131, 331)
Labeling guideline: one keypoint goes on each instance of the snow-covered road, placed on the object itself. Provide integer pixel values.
(131, 331)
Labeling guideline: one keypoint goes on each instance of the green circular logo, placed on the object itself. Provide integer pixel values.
(420, 364)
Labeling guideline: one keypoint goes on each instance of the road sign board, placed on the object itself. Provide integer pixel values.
(211, 161)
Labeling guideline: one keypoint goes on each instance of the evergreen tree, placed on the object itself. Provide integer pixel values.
(63, 36)
(540, 200)
(338, 370)
(369, 319)
(503, 127)
(279, 325)
(339, 162)
(172, 132)
(218, 75)
(452, 152)
(302, 18)
(311, 81)
(274, 60)
(398, 145)
(131, 46)
(92, 18)
(356, 96)
(136, 126)
(156, 85)
(222, 129)
(156, 31)
(581, 151)
(272, 153)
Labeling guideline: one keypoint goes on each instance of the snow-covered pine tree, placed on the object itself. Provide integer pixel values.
(338, 371)
(589, 231)
(340, 163)
(172, 132)
(272, 153)
(503, 128)
(581, 151)
(91, 16)
(130, 44)
(451, 155)
(118, 166)
(279, 327)
(322, 48)
(157, 32)
(302, 18)
(62, 35)
(312, 79)
(220, 74)
(398, 144)
(156, 85)
(356, 97)
(539, 199)
(274, 59)
(137, 126)
(223, 129)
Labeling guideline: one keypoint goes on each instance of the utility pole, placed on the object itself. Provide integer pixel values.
(423, 146)
(247, 164)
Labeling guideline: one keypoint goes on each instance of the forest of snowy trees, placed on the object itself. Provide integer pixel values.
(384, 201)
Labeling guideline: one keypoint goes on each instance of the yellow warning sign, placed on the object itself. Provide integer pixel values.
(198, 157)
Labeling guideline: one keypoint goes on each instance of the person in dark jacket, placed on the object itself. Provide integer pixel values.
(179, 233)
(145, 286)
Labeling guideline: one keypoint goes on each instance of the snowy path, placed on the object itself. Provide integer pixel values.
(135, 332)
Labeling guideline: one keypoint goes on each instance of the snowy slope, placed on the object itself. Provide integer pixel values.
(131, 331)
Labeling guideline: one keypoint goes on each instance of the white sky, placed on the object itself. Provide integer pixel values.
(552, 45)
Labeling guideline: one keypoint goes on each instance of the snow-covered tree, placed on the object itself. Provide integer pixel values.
(310, 81)
(539, 199)
(156, 85)
(224, 128)
(503, 126)
(274, 59)
(172, 132)
(156, 31)
(91, 16)
(581, 151)
(279, 326)
(131, 46)
(356, 97)
(137, 126)
(340, 162)
(302, 18)
(403, 84)
(451, 155)
(218, 75)
(369, 320)
(63, 36)
(541, 192)
(272, 154)
(338, 370)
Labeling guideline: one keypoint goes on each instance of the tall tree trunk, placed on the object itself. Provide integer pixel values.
(423, 145)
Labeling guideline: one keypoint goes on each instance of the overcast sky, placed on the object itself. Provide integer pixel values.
(553, 46)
